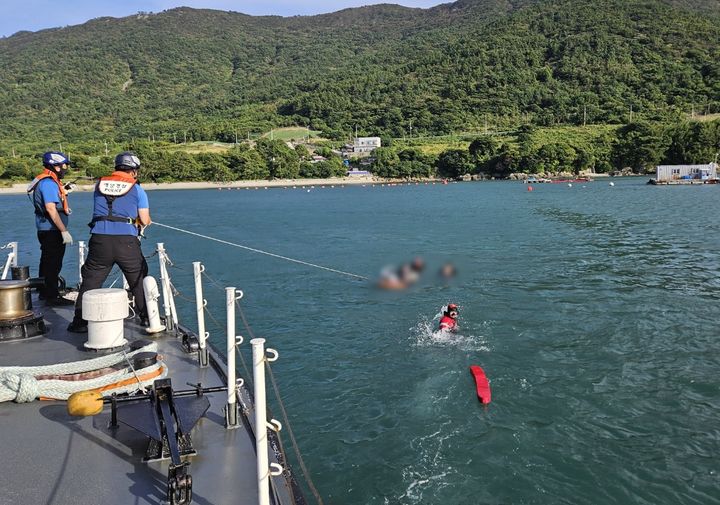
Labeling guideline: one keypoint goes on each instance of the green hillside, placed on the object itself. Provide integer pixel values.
(385, 70)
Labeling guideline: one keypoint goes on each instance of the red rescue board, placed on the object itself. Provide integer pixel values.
(481, 384)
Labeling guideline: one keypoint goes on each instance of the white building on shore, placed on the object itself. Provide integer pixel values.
(666, 173)
(365, 144)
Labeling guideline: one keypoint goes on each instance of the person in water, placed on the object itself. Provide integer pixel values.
(448, 322)
(403, 277)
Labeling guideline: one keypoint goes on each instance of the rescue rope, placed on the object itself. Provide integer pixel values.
(349, 274)
(25, 384)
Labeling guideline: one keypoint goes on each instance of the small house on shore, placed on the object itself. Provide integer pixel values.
(361, 146)
(667, 173)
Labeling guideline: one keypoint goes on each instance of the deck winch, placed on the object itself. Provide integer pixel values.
(17, 320)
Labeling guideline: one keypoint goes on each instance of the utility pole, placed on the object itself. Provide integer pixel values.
(106, 148)
(631, 114)
(61, 149)
(185, 138)
(235, 137)
(584, 115)
(410, 128)
(13, 151)
(174, 138)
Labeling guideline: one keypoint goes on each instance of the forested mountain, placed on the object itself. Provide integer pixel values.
(382, 69)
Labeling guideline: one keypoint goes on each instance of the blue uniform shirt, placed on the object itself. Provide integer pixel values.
(123, 206)
(47, 191)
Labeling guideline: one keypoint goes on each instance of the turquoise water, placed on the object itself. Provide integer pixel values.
(592, 309)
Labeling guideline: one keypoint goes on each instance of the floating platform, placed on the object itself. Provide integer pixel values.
(683, 182)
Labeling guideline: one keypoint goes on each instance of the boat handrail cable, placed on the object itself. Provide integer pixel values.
(283, 413)
(290, 433)
(276, 389)
(220, 327)
(260, 251)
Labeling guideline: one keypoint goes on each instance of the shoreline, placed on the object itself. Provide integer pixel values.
(20, 188)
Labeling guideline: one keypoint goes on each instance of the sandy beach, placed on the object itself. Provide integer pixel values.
(276, 183)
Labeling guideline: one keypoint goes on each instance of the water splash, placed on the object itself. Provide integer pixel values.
(426, 334)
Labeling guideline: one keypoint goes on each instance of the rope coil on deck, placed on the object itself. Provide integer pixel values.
(21, 384)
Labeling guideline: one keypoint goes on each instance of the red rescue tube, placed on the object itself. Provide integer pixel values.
(481, 384)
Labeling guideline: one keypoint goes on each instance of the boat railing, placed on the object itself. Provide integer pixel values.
(11, 260)
(266, 432)
(81, 260)
(200, 304)
(171, 318)
(262, 357)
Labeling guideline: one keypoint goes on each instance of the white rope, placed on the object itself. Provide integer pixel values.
(77, 366)
(19, 384)
(24, 387)
(262, 252)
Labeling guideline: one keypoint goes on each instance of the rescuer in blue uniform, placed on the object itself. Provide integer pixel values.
(120, 208)
(49, 198)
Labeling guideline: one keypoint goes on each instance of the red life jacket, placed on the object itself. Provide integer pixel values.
(447, 323)
(61, 191)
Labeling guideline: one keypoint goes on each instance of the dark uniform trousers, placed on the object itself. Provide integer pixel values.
(106, 251)
(52, 252)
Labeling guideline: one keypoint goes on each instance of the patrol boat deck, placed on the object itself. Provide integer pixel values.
(51, 457)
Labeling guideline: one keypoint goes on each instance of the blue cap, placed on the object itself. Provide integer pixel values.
(54, 158)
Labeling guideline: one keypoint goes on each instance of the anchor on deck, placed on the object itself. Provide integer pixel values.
(167, 422)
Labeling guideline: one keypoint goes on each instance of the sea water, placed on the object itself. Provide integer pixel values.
(593, 310)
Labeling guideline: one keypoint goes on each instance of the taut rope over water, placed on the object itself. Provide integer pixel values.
(361, 277)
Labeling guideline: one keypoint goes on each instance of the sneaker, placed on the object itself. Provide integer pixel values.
(59, 302)
(78, 326)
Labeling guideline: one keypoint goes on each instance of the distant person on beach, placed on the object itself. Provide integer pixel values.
(52, 213)
(448, 322)
(120, 208)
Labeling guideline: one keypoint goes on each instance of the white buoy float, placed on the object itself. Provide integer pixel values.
(612, 184)
(569, 185)
(152, 295)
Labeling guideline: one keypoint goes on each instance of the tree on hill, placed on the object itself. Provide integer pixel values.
(638, 146)
(454, 163)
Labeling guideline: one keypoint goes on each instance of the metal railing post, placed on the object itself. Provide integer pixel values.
(200, 304)
(231, 410)
(81, 260)
(11, 258)
(264, 470)
(165, 286)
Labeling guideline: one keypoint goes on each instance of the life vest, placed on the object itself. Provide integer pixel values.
(447, 323)
(112, 187)
(37, 202)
